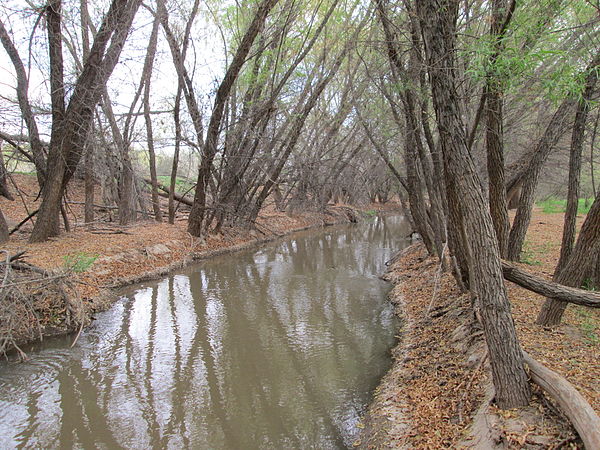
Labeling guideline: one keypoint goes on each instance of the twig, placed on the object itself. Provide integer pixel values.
(22, 222)
(56, 277)
(27, 266)
(78, 334)
(7, 269)
(109, 232)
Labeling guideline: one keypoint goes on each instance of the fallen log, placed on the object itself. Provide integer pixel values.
(165, 193)
(549, 288)
(576, 408)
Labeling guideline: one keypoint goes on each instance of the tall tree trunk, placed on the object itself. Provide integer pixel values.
(581, 262)
(67, 147)
(581, 115)
(411, 128)
(531, 176)
(89, 183)
(89, 179)
(592, 148)
(127, 198)
(175, 165)
(4, 192)
(196, 218)
(147, 77)
(127, 194)
(494, 132)
(438, 22)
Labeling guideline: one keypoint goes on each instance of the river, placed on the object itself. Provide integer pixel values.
(277, 347)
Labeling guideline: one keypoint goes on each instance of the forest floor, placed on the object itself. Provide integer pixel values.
(438, 392)
(87, 263)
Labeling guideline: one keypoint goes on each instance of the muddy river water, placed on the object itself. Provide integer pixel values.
(278, 347)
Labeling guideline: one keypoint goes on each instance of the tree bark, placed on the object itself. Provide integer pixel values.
(494, 131)
(574, 405)
(4, 233)
(548, 288)
(196, 218)
(175, 164)
(580, 263)
(4, 192)
(531, 175)
(581, 114)
(438, 23)
(66, 150)
(89, 184)
(147, 76)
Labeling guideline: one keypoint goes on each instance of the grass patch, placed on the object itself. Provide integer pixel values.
(528, 255)
(553, 205)
(79, 262)
(588, 285)
(182, 185)
(589, 326)
(370, 214)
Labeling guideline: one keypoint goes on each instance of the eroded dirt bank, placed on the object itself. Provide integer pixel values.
(64, 300)
(438, 393)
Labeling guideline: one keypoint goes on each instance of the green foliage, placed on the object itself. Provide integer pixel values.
(79, 262)
(370, 214)
(588, 285)
(533, 50)
(552, 205)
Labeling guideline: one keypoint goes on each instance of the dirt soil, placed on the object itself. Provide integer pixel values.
(438, 393)
(86, 264)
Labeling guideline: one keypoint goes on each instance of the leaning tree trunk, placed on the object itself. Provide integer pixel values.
(147, 76)
(577, 135)
(35, 143)
(494, 133)
(530, 177)
(66, 148)
(197, 214)
(582, 260)
(89, 183)
(438, 22)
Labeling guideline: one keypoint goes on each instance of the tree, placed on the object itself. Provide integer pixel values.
(196, 219)
(494, 128)
(70, 133)
(581, 262)
(37, 150)
(4, 192)
(577, 135)
(438, 24)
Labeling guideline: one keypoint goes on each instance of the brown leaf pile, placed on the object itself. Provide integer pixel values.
(437, 382)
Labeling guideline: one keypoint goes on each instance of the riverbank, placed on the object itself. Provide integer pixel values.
(438, 391)
(86, 265)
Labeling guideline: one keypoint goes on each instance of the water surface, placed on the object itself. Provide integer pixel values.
(279, 347)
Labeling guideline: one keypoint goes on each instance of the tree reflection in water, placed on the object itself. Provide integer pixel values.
(272, 348)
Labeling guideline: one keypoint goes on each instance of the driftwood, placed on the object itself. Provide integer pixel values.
(165, 193)
(549, 288)
(576, 408)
